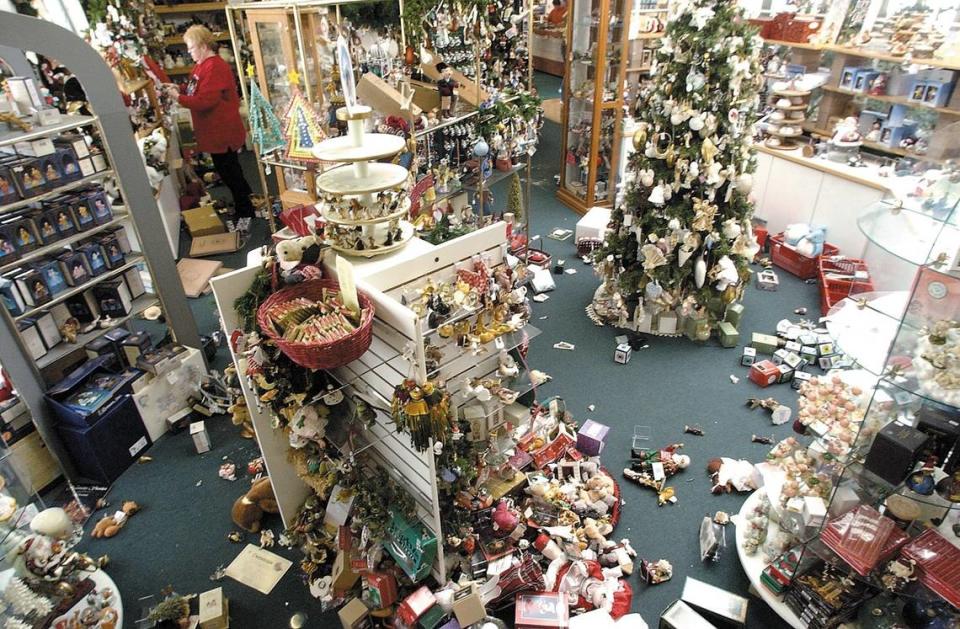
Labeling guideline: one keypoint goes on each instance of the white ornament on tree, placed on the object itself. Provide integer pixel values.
(699, 272)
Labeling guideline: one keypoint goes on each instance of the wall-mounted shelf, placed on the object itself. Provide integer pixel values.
(896, 100)
(66, 123)
(54, 247)
(180, 70)
(946, 64)
(190, 7)
(79, 183)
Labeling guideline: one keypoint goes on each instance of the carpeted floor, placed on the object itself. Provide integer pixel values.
(179, 538)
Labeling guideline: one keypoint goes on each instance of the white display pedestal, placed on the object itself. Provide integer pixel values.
(593, 224)
(753, 565)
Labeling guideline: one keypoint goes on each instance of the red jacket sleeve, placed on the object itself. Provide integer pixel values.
(209, 90)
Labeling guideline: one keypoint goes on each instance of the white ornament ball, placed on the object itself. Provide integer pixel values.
(696, 123)
(745, 183)
(674, 224)
(700, 272)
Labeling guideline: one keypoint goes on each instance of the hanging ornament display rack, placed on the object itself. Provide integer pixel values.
(360, 179)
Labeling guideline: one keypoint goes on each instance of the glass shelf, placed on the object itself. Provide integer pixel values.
(866, 332)
(916, 236)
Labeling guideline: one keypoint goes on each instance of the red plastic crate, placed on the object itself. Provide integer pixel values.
(834, 290)
(787, 258)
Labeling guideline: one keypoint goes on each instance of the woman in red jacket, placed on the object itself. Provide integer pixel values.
(211, 97)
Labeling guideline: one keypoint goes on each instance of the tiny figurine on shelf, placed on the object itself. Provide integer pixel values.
(949, 488)
(447, 87)
(874, 134)
(110, 525)
(898, 573)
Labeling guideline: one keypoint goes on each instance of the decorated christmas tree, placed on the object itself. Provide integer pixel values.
(304, 130)
(515, 200)
(264, 124)
(680, 240)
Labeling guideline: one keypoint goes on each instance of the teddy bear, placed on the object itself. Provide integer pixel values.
(249, 508)
(110, 525)
(240, 416)
(597, 494)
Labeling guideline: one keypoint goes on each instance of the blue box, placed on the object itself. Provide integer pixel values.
(74, 268)
(936, 93)
(10, 295)
(104, 450)
(918, 90)
(862, 79)
(9, 192)
(82, 213)
(67, 161)
(96, 262)
(112, 252)
(92, 391)
(53, 276)
(62, 219)
(99, 206)
(29, 176)
(46, 227)
(50, 167)
(847, 77)
(25, 234)
(8, 245)
(892, 136)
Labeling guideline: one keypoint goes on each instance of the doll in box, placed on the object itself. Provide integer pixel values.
(25, 237)
(48, 231)
(8, 191)
(64, 222)
(84, 217)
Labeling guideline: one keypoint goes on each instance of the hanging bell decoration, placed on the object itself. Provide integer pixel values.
(640, 136)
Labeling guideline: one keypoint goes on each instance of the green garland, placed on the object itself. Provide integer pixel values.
(377, 497)
(247, 304)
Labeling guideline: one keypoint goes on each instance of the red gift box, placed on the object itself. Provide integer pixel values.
(381, 588)
(764, 373)
(552, 451)
(416, 605)
(541, 609)
(939, 563)
(863, 538)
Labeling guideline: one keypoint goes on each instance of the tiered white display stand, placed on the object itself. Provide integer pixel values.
(360, 181)
(397, 352)
(786, 141)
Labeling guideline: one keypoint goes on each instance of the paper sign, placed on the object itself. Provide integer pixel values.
(258, 568)
(658, 473)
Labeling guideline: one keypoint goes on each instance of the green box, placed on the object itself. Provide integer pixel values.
(764, 343)
(729, 337)
(432, 618)
(733, 315)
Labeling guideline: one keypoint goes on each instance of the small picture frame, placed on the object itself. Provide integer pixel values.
(846, 78)
(931, 94)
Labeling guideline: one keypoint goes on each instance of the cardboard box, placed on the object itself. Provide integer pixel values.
(800, 377)
(729, 337)
(717, 605)
(894, 451)
(203, 221)
(216, 244)
(214, 613)
(468, 606)
(733, 315)
(679, 615)
(354, 615)
(344, 576)
(764, 343)
(135, 345)
(201, 438)
(416, 605)
(196, 274)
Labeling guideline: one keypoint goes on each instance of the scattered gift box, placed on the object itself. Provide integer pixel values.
(734, 314)
(729, 337)
(779, 356)
(541, 609)
(201, 438)
(622, 353)
(943, 427)
(814, 510)
(785, 373)
(215, 244)
(764, 343)
(354, 615)
(416, 605)
(380, 588)
(203, 221)
(679, 615)
(768, 280)
(719, 606)
(799, 377)
(214, 610)
(748, 357)
(592, 437)
(764, 373)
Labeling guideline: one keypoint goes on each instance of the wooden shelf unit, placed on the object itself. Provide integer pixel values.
(190, 7)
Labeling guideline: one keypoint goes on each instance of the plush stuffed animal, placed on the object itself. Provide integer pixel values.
(504, 518)
(295, 251)
(110, 525)
(249, 509)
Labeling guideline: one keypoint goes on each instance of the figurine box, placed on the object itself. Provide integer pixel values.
(895, 450)
(9, 192)
(113, 298)
(848, 76)
(12, 300)
(8, 247)
(354, 615)
(863, 78)
(111, 248)
(99, 207)
(25, 236)
(535, 610)
(93, 254)
(74, 268)
(33, 288)
(50, 167)
(592, 437)
(29, 177)
(764, 373)
(67, 161)
(53, 276)
(943, 426)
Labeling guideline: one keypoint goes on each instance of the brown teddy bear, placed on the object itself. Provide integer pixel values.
(249, 508)
(110, 525)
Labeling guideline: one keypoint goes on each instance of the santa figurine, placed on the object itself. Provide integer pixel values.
(447, 87)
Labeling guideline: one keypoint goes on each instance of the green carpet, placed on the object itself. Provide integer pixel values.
(179, 538)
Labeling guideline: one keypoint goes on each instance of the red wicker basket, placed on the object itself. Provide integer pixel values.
(323, 355)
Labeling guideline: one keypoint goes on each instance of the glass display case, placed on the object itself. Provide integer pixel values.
(593, 96)
(889, 538)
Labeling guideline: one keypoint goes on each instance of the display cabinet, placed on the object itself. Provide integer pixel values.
(885, 546)
(146, 267)
(593, 79)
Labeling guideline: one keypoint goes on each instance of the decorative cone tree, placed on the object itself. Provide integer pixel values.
(264, 124)
(680, 240)
(515, 200)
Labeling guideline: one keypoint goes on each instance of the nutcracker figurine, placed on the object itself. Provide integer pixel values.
(448, 90)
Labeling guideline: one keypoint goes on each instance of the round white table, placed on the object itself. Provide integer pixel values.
(753, 565)
(101, 580)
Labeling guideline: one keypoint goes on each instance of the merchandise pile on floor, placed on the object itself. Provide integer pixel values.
(180, 537)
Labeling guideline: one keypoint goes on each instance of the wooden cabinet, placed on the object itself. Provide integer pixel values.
(593, 98)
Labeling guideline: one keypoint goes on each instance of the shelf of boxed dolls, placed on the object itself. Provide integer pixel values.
(137, 307)
(70, 185)
(863, 327)
(375, 146)
(57, 246)
(404, 208)
(132, 260)
(947, 64)
(379, 176)
(408, 233)
(41, 131)
(913, 235)
(753, 565)
(896, 100)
